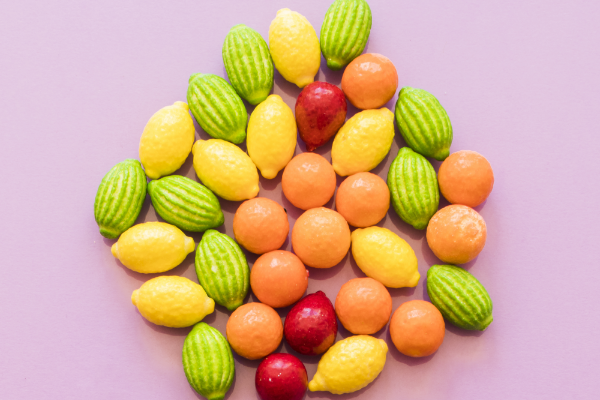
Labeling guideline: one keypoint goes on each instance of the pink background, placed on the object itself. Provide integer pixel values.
(79, 80)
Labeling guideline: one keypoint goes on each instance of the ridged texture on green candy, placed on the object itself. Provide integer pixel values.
(119, 198)
(345, 31)
(414, 188)
(424, 123)
(185, 203)
(459, 296)
(222, 269)
(248, 63)
(208, 362)
(217, 107)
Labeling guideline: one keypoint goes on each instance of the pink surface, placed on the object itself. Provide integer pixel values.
(79, 81)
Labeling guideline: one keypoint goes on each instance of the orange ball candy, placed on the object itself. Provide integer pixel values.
(321, 238)
(260, 225)
(456, 234)
(363, 306)
(278, 278)
(363, 199)
(254, 330)
(308, 181)
(370, 81)
(417, 328)
(466, 177)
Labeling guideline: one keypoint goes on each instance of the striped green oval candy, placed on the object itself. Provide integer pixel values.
(185, 203)
(217, 107)
(248, 63)
(423, 123)
(119, 198)
(208, 362)
(222, 269)
(414, 188)
(345, 31)
(460, 297)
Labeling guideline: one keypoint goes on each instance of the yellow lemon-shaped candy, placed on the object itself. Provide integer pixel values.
(350, 365)
(152, 247)
(271, 136)
(363, 142)
(172, 301)
(294, 47)
(167, 140)
(225, 169)
(385, 257)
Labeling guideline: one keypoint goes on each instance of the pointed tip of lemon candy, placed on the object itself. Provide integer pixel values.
(190, 245)
(317, 383)
(114, 249)
(182, 105)
(303, 81)
(283, 11)
(134, 297)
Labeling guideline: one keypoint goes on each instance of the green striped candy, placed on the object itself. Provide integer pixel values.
(208, 362)
(413, 187)
(459, 296)
(222, 269)
(248, 63)
(423, 122)
(119, 198)
(345, 31)
(185, 203)
(217, 107)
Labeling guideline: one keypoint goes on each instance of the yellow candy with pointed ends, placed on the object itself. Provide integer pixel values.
(385, 257)
(271, 136)
(363, 142)
(172, 301)
(294, 47)
(225, 169)
(167, 140)
(350, 365)
(152, 247)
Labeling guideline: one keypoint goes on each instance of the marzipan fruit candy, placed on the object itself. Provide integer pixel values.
(217, 107)
(208, 362)
(413, 187)
(222, 269)
(460, 297)
(119, 198)
(185, 203)
(345, 32)
(423, 122)
(248, 63)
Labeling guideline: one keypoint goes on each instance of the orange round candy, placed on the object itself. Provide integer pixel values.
(363, 306)
(370, 81)
(363, 199)
(254, 330)
(308, 181)
(417, 328)
(321, 238)
(278, 278)
(466, 178)
(260, 225)
(456, 234)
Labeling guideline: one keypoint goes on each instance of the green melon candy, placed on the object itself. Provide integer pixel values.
(208, 362)
(459, 296)
(119, 198)
(185, 203)
(345, 32)
(423, 123)
(414, 188)
(248, 63)
(222, 269)
(217, 107)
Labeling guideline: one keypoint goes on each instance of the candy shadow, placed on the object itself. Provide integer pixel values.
(462, 332)
(166, 330)
(288, 88)
(328, 75)
(326, 273)
(270, 184)
(405, 228)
